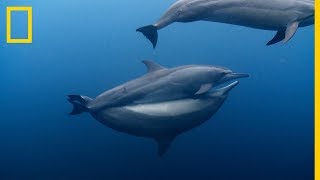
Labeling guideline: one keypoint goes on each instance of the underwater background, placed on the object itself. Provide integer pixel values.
(264, 130)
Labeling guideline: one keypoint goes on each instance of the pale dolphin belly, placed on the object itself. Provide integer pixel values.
(160, 119)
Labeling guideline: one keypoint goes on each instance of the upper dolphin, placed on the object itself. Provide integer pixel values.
(283, 16)
(160, 84)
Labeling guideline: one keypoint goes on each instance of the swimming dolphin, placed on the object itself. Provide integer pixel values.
(283, 16)
(162, 121)
(160, 84)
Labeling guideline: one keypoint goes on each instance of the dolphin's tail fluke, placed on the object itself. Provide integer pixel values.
(150, 32)
(79, 104)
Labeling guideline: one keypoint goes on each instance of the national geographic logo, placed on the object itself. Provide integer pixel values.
(26, 40)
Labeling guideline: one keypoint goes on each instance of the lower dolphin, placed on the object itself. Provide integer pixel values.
(163, 121)
(283, 16)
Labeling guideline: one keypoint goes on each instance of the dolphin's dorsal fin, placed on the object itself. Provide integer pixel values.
(164, 144)
(152, 66)
(204, 89)
(291, 30)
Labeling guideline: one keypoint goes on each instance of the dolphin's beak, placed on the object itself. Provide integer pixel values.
(233, 76)
(237, 75)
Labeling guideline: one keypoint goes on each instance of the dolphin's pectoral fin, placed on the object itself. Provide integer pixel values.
(164, 144)
(285, 35)
(152, 66)
(281, 34)
(204, 89)
(291, 30)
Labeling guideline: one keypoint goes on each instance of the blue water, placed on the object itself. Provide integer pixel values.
(264, 131)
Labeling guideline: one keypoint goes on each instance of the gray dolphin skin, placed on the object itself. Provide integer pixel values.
(179, 101)
(161, 84)
(283, 16)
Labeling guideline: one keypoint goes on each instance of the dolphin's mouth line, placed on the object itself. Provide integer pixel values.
(229, 82)
(223, 85)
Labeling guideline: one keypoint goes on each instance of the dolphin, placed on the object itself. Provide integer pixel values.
(283, 16)
(159, 84)
(163, 121)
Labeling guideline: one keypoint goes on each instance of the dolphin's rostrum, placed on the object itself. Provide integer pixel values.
(283, 16)
(161, 104)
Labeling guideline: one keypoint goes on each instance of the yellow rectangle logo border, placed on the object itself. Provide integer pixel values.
(19, 8)
(317, 92)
